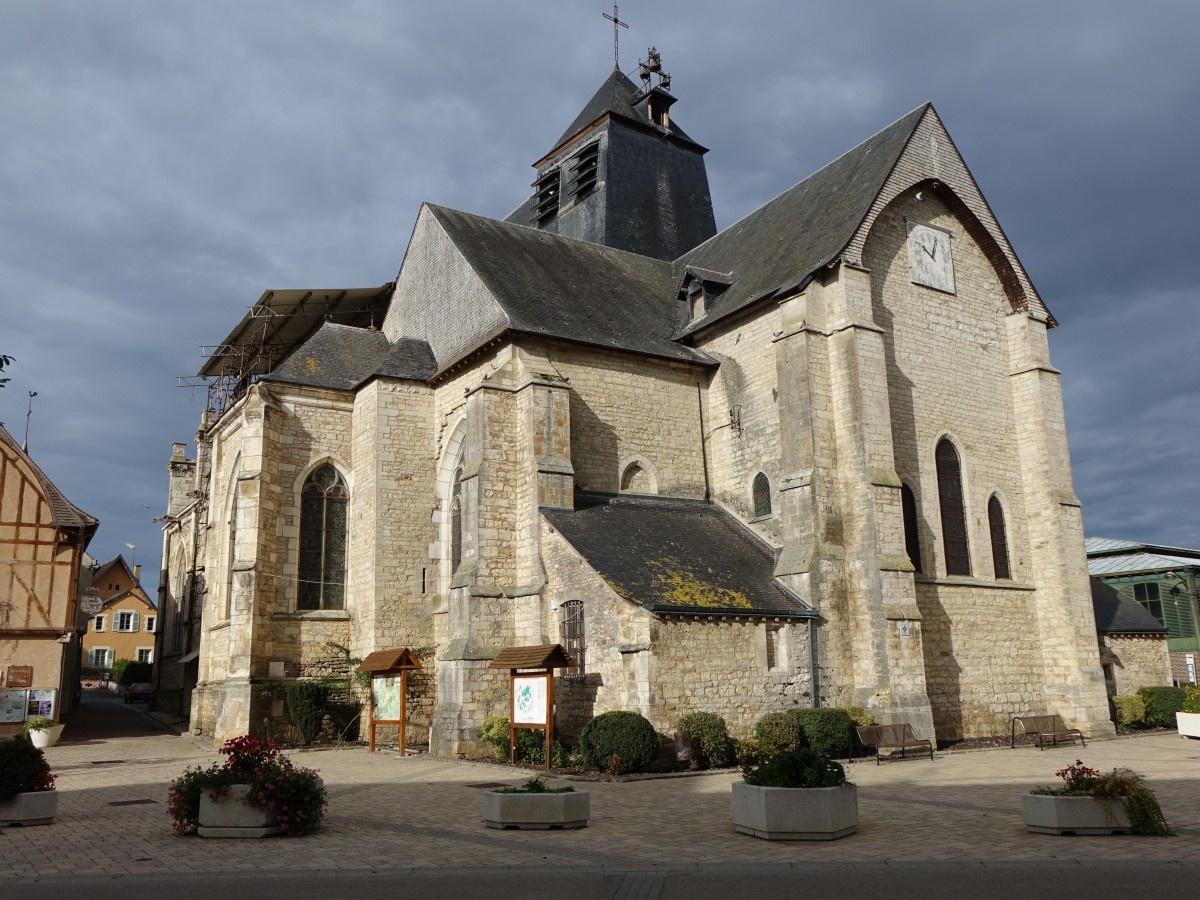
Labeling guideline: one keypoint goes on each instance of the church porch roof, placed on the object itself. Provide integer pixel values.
(674, 556)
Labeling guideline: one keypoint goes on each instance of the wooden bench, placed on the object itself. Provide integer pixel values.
(891, 737)
(1043, 727)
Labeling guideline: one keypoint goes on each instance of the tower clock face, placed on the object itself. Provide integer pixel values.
(929, 254)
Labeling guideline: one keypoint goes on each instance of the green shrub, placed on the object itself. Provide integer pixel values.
(132, 672)
(1191, 699)
(495, 733)
(1161, 705)
(710, 739)
(23, 768)
(1131, 711)
(804, 768)
(748, 752)
(859, 715)
(778, 732)
(618, 742)
(306, 702)
(531, 743)
(827, 731)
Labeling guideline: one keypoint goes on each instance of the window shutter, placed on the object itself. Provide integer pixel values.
(136, 621)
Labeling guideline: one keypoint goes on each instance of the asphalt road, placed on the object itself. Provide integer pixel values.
(934, 881)
(102, 716)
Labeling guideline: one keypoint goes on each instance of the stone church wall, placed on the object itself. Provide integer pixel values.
(948, 367)
(626, 408)
(742, 418)
(1136, 661)
(983, 657)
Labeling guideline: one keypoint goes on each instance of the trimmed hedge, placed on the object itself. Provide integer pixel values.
(1161, 705)
(1131, 711)
(618, 742)
(779, 732)
(1191, 702)
(306, 701)
(827, 730)
(710, 739)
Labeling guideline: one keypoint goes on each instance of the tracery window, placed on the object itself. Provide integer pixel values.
(571, 614)
(761, 495)
(912, 537)
(322, 573)
(954, 519)
(999, 538)
(233, 521)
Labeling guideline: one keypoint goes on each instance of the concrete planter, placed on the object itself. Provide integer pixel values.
(1188, 725)
(34, 808)
(1053, 814)
(45, 737)
(228, 817)
(795, 814)
(536, 811)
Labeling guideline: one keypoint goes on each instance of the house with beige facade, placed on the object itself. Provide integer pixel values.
(124, 627)
(817, 457)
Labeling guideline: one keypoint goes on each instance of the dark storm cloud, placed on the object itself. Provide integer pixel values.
(163, 164)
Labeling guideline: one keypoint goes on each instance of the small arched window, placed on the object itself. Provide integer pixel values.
(999, 538)
(912, 537)
(322, 573)
(456, 541)
(761, 495)
(954, 519)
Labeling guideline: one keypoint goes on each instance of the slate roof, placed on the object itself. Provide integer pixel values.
(66, 514)
(1117, 614)
(342, 357)
(776, 249)
(560, 287)
(671, 555)
(615, 97)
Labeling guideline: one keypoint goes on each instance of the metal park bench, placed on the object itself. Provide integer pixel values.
(1052, 727)
(891, 737)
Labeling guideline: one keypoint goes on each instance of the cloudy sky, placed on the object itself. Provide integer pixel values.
(162, 164)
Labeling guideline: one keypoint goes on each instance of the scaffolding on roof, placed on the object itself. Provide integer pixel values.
(272, 329)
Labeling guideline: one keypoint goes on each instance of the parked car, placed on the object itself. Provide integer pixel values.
(139, 692)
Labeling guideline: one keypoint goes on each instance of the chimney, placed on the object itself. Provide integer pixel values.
(137, 573)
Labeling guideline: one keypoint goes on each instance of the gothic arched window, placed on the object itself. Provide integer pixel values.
(999, 538)
(762, 495)
(233, 524)
(456, 540)
(912, 538)
(954, 518)
(322, 572)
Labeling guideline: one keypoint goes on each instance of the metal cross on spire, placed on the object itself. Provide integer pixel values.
(616, 21)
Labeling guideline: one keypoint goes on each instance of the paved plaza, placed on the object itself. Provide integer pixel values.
(420, 814)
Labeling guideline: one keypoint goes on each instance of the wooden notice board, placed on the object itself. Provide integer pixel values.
(531, 690)
(389, 688)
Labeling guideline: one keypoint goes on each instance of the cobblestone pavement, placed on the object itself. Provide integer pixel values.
(423, 814)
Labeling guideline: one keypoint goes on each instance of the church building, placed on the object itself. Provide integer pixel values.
(816, 458)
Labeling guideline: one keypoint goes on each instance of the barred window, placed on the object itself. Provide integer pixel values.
(999, 538)
(571, 614)
(912, 537)
(954, 519)
(762, 495)
(322, 573)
